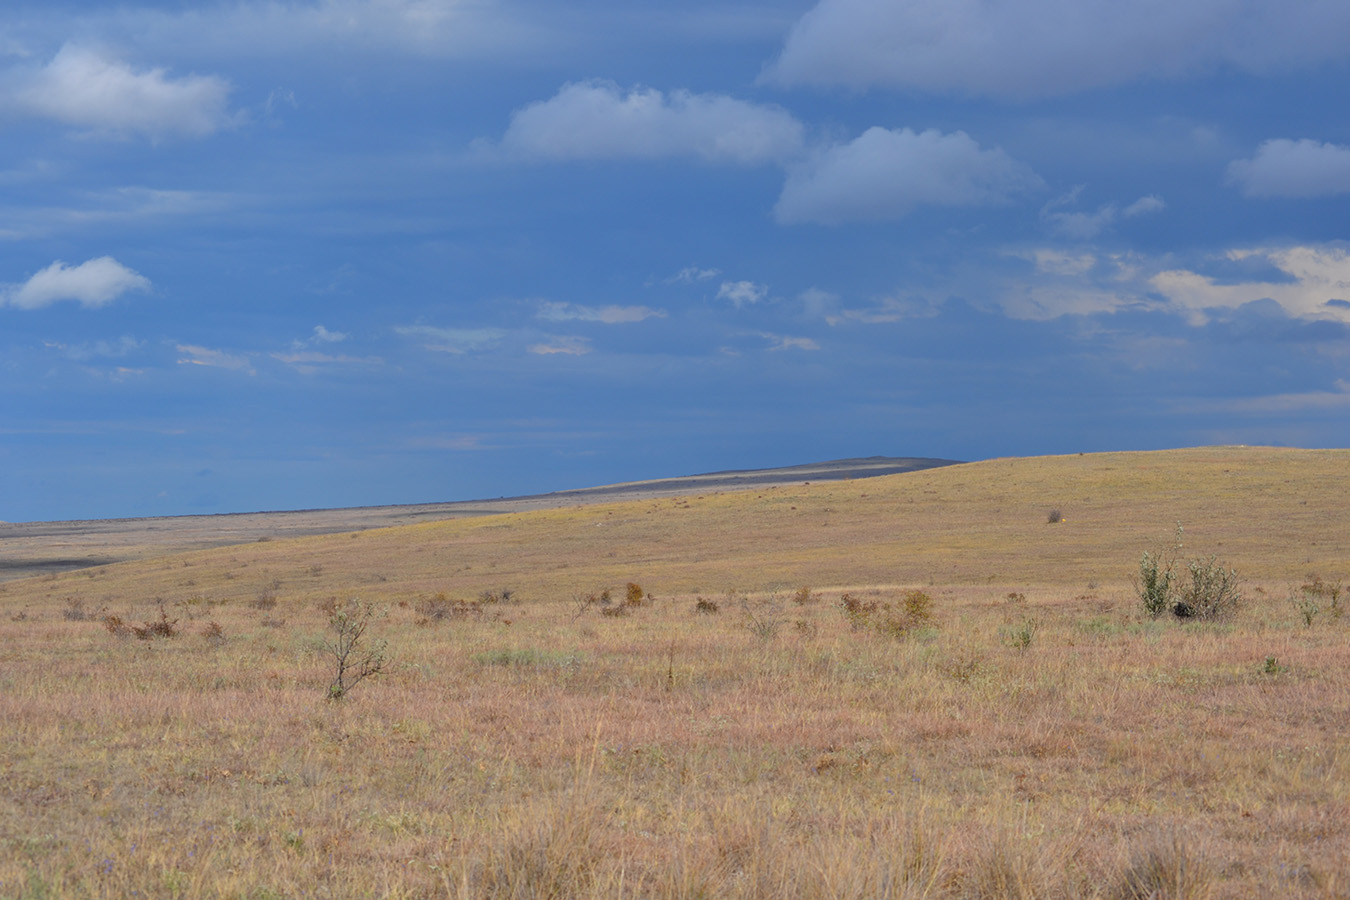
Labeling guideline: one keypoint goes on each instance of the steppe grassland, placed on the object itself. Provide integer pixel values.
(538, 748)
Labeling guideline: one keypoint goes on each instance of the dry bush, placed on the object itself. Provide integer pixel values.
(705, 606)
(75, 611)
(354, 658)
(803, 596)
(162, 627)
(266, 599)
(633, 595)
(213, 633)
(915, 613)
(440, 608)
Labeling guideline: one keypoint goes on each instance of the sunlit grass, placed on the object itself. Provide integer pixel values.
(539, 748)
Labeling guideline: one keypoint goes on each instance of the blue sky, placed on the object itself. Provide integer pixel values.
(278, 254)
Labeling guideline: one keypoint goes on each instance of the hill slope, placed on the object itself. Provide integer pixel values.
(1278, 515)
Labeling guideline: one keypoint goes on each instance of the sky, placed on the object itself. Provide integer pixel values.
(287, 254)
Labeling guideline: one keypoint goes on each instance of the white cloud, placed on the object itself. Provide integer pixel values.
(595, 120)
(92, 284)
(104, 96)
(565, 346)
(1144, 206)
(742, 293)
(320, 336)
(608, 315)
(691, 274)
(123, 346)
(884, 174)
(1084, 284)
(782, 342)
(1059, 262)
(1316, 276)
(1084, 226)
(1026, 48)
(1285, 168)
(452, 340)
(309, 362)
(194, 355)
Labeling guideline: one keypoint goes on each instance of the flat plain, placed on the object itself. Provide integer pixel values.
(932, 684)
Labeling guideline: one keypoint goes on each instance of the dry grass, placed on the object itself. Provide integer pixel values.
(528, 750)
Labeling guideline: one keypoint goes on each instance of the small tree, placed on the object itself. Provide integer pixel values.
(354, 659)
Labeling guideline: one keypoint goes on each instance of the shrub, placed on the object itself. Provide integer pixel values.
(914, 613)
(918, 608)
(765, 627)
(1322, 592)
(163, 627)
(75, 611)
(1019, 637)
(1203, 590)
(633, 594)
(858, 613)
(440, 608)
(1154, 584)
(705, 606)
(266, 599)
(354, 660)
(1054, 517)
(1212, 592)
(213, 633)
(804, 596)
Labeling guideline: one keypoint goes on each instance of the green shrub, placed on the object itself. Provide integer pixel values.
(1203, 588)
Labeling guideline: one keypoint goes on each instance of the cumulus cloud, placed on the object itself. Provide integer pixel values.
(104, 96)
(1316, 276)
(1028, 48)
(452, 340)
(1285, 168)
(596, 120)
(1314, 279)
(884, 174)
(607, 315)
(92, 284)
(742, 293)
(565, 346)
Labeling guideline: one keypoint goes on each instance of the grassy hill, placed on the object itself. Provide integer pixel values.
(1278, 515)
(988, 713)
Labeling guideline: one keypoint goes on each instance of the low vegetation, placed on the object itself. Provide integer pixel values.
(954, 735)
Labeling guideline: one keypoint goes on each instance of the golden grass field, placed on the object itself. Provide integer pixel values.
(1040, 737)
